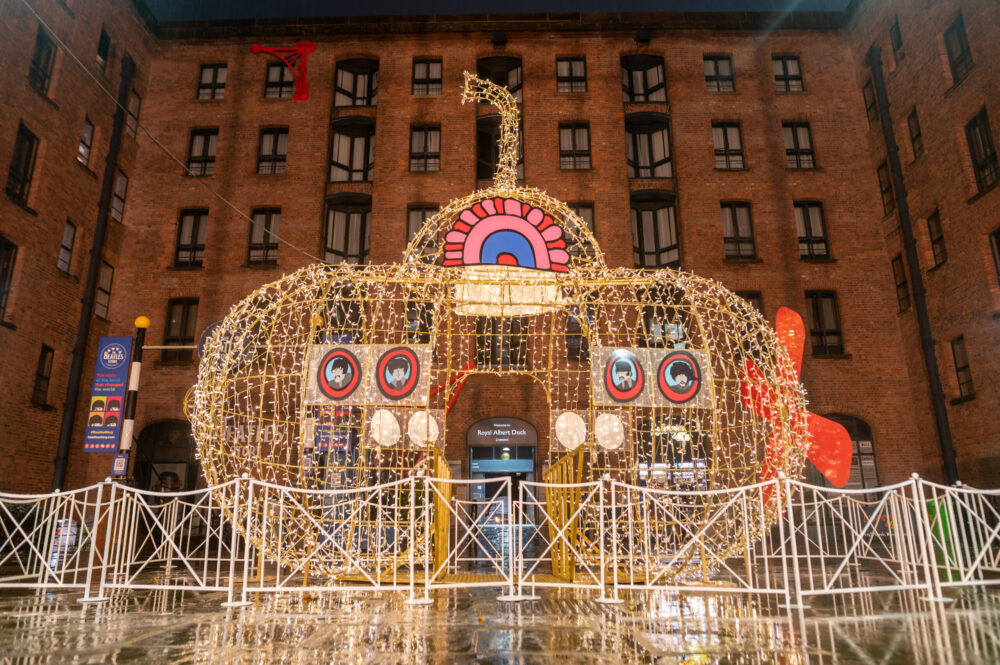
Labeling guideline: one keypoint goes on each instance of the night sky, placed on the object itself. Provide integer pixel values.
(213, 10)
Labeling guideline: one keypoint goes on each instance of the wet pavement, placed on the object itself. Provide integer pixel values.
(470, 626)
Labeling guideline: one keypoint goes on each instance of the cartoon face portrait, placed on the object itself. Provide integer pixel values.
(111, 421)
(96, 420)
(114, 404)
(339, 374)
(679, 377)
(623, 376)
(397, 372)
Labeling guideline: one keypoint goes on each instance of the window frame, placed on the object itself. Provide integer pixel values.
(350, 205)
(357, 130)
(496, 338)
(982, 151)
(574, 157)
(8, 259)
(995, 247)
(213, 88)
(117, 210)
(871, 102)
(640, 130)
(195, 247)
(576, 249)
(284, 85)
(22, 165)
(103, 49)
(896, 41)
(423, 160)
(188, 320)
(729, 155)
(716, 82)
(84, 149)
(653, 201)
(571, 82)
(428, 85)
(361, 69)
(939, 250)
(754, 298)
(963, 371)
(629, 93)
(902, 284)
(43, 60)
(486, 68)
(797, 156)
(491, 121)
(735, 244)
(202, 164)
(132, 109)
(273, 162)
(43, 376)
(102, 294)
(821, 328)
(64, 261)
(805, 223)
(267, 247)
(785, 81)
(885, 186)
(916, 135)
(956, 46)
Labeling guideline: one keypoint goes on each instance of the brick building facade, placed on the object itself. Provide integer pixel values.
(766, 122)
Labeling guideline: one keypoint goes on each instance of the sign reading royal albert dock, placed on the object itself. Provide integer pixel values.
(502, 431)
(107, 395)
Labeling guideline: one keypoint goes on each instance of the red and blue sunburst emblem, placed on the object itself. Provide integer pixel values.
(506, 232)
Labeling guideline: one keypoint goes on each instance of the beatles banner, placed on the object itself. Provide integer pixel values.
(390, 374)
(651, 377)
(107, 396)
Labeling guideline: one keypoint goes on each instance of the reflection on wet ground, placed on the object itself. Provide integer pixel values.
(470, 625)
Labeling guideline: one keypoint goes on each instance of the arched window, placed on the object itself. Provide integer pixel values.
(165, 457)
(502, 70)
(863, 471)
(356, 83)
(352, 153)
(647, 138)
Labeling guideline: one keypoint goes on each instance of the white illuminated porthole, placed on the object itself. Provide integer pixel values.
(385, 428)
(571, 430)
(609, 431)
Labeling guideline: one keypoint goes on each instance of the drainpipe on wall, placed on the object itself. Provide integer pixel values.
(96, 251)
(919, 294)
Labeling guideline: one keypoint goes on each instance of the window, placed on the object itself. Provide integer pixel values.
(263, 249)
(352, 155)
(957, 45)
(916, 139)
(787, 73)
(798, 145)
(962, 371)
(871, 104)
(273, 151)
(824, 323)
(103, 49)
(488, 150)
(584, 211)
(994, 245)
(425, 149)
(348, 223)
(212, 81)
(280, 81)
(718, 73)
(982, 151)
(571, 75)
(574, 146)
(182, 316)
(22, 164)
(647, 138)
(118, 196)
(663, 324)
(937, 238)
(8, 254)
(577, 344)
(885, 184)
(356, 83)
(201, 154)
(132, 114)
(503, 71)
(501, 342)
(811, 230)
(66, 247)
(755, 299)
(426, 77)
(728, 145)
(102, 300)
(415, 218)
(897, 42)
(902, 288)
(86, 142)
(654, 230)
(643, 79)
(864, 473)
(40, 70)
(737, 231)
(40, 392)
(419, 319)
(191, 229)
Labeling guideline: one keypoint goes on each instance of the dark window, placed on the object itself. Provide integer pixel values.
(263, 249)
(571, 75)
(426, 77)
(728, 145)
(663, 325)
(66, 247)
(897, 42)
(182, 316)
(40, 71)
(212, 81)
(103, 49)
(718, 73)
(40, 392)
(885, 185)
(8, 255)
(503, 71)
(994, 245)
(201, 154)
(86, 142)
(501, 342)
(415, 218)
(425, 149)
(811, 230)
(22, 164)
(824, 323)
(737, 231)
(132, 114)
(357, 83)
(962, 371)
(419, 318)
(755, 299)
(488, 149)
(102, 300)
(577, 344)
(647, 138)
(654, 230)
(348, 224)
(280, 81)
(118, 196)
(787, 73)
(957, 45)
(352, 155)
(273, 151)
(937, 238)
(864, 473)
(916, 139)
(902, 287)
(643, 79)
(798, 145)
(871, 103)
(584, 211)
(191, 230)
(982, 151)
(574, 146)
